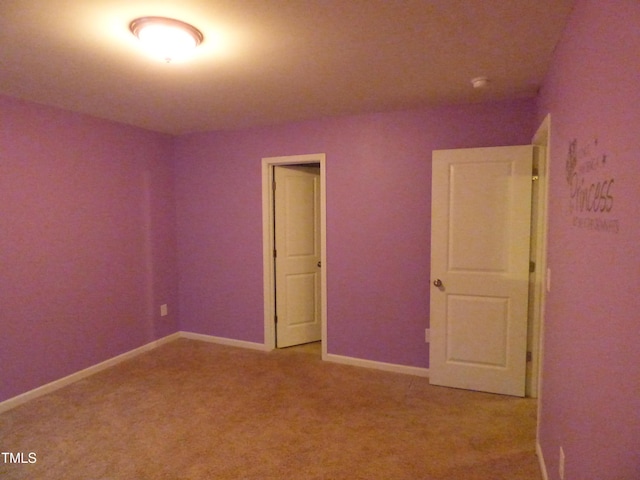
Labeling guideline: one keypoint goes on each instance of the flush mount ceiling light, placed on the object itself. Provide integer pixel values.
(166, 38)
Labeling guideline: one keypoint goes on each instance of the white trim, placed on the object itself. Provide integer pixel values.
(388, 367)
(79, 375)
(543, 466)
(224, 341)
(267, 242)
(542, 138)
(74, 377)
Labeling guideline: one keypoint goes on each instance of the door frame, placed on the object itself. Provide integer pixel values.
(541, 138)
(268, 243)
(539, 256)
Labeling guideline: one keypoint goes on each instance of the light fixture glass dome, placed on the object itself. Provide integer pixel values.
(166, 38)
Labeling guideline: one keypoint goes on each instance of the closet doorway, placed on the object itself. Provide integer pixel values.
(294, 250)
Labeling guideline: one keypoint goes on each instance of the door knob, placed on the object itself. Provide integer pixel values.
(319, 264)
(437, 282)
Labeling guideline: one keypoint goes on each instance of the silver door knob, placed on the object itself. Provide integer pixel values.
(437, 282)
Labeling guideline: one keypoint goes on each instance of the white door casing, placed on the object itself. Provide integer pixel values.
(297, 258)
(268, 243)
(480, 239)
(542, 140)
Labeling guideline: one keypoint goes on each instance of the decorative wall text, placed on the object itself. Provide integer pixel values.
(591, 187)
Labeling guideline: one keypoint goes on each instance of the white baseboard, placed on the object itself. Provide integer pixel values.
(388, 367)
(357, 362)
(74, 377)
(224, 341)
(543, 466)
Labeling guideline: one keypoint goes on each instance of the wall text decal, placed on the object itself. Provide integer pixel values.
(591, 187)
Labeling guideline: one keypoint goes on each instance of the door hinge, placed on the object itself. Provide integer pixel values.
(532, 267)
(529, 356)
(275, 319)
(275, 253)
(273, 185)
(534, 174)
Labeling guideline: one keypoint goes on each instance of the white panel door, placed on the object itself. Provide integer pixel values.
(480, 237)
(297, 262)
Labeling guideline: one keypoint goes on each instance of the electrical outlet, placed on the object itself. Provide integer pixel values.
(427, 335)
(561, 464)
(164, 310)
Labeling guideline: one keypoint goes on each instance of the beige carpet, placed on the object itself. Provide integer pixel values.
(193, 410)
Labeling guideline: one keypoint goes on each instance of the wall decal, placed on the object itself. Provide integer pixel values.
(591, 187)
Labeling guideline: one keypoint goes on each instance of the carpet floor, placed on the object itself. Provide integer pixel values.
(195, 410)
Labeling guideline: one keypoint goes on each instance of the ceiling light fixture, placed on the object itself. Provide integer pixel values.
(166, 38)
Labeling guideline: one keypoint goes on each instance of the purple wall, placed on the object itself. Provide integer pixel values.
(378, 221)
(591, 372)
(87, 242)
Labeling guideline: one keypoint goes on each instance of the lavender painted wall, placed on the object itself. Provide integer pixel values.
(87, 242)
(378, 221)
(591, 372)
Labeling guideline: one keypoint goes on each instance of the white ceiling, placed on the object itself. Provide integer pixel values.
(273, 61)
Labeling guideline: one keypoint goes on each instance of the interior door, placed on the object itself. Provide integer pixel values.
(297, 255)
(480, 238)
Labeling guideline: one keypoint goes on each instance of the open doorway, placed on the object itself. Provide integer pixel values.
(453, 360)
(300, 172)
